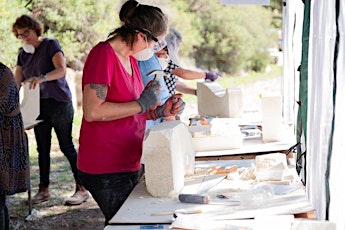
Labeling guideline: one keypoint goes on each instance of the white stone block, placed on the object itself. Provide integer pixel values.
(169, 156)
(271, 167)
(272, 125)
(29, 104)
(267, 161)
(222, 134)
(305, 224)
(215, 101)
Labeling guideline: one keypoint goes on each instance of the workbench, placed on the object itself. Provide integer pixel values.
(252, 145)
(142, 211)
(250, 149)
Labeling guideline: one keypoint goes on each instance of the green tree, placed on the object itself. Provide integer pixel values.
(217, 37)
(234, 37)
(9, 10)
(77, 24)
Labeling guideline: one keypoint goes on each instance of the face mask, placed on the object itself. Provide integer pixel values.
(144, 55)
(163, 62)
(28, 48)
(159, 46)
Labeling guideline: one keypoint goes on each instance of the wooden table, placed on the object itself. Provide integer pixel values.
(250, 149)
(141, 208)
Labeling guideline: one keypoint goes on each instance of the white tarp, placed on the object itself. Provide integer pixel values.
(292, 51)
(320, 99)
(337, 188)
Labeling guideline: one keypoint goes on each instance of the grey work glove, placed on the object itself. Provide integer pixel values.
(211, 76)
(150, 96)
(172, 107)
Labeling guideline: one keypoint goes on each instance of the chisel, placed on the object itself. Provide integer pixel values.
(178, 211)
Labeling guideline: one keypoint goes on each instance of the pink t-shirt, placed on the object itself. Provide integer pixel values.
(111, 146)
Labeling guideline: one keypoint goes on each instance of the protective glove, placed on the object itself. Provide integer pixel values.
(150, 96)
(211, 76)
(172, 107)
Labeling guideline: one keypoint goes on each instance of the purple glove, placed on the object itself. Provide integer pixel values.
(211, 76)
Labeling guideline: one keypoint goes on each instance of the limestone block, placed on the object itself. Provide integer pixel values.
(266, 161)
(169, 156)
(306, 224)
(29, 103)
(72, 81)
(214, 101)
(222, 134)
(272, 125)
(271, 167)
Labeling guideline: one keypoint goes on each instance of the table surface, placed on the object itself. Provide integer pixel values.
(250, 146)
(141, 208)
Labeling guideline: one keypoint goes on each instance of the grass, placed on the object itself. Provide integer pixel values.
(234, 81)
(228, 81)
(62, 181)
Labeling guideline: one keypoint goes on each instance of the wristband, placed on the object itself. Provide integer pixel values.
(45, 76)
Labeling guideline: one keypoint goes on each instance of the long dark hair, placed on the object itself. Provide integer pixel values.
(149, 20)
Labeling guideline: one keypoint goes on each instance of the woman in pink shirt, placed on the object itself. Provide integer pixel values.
(116, 106)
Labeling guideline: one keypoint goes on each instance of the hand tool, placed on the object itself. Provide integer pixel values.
(208, 182)
(178, 211)
(158, 74)
(194, 198)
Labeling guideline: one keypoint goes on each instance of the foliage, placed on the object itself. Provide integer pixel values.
(233, 36)
(77, 24)
(275, 5)
(221, 38)
(9, 11)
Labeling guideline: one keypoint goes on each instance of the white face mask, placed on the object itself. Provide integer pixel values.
(28, 48)
(144, 55)
(163, 62)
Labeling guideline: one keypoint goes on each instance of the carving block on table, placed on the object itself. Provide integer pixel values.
(169, 156)
(222, 135)
(271, 118)
(266, 161)
(29, 103)
(215, 101)
(303, 224)
(271, 167)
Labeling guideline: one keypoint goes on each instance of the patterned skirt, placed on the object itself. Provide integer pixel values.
(14, 156)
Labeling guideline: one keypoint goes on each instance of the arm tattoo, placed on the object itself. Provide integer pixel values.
(100, 90)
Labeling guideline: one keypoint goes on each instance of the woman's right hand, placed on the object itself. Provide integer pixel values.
(150, 97)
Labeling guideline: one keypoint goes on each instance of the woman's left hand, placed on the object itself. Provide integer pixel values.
(34, 81)
(172, 107)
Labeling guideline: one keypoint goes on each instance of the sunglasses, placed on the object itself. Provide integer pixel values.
(24, 35)
(147, 33)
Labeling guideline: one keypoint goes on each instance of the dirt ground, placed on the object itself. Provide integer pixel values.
(51, 215)
(54, 215)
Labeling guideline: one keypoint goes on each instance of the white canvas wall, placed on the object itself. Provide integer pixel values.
(292, 51)
(337, 169)
(320, 99)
